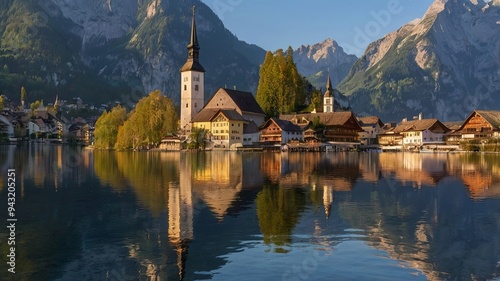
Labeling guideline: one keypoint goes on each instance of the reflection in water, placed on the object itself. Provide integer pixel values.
(278, 210)
(100, 215)
(217, 179)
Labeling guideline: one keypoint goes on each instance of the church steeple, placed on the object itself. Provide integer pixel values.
(192, 82)
(329, 88)
(193, 47)
(192, 62)
(328, 98)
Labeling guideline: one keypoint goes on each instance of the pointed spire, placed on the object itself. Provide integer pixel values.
(193, 49)
(329, 88)
(329, 82)
(194, 36)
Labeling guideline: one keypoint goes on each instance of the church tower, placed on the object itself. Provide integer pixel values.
(192, 82)
(328, 98)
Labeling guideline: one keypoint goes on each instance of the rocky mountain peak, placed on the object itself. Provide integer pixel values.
(444, 65)
(113, 49)
(313, 61)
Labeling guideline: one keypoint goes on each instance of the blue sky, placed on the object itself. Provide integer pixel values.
(274, 24)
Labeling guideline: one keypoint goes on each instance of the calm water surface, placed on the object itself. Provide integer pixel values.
(96, 215)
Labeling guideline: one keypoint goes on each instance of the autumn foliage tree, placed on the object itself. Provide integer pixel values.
(106, 129)
(281, 88)
(152, 119)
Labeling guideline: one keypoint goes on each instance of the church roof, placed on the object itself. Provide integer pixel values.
(208, 114)
(329, 88)
(244, 100)
(192, 63)
(193, 66)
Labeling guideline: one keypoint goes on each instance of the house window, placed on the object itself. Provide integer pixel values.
(196, 88)
(187, 105)
(185, 87)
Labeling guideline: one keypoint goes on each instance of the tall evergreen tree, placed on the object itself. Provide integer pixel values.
(281, 88)
(265, 90)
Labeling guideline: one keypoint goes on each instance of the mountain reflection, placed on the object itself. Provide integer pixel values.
(161, 216)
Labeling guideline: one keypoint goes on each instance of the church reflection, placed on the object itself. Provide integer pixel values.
(180, 216)
(185, 213)
(283, 185)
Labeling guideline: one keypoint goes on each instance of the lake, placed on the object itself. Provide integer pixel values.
(101, 215)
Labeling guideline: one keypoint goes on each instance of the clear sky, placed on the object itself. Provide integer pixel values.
(274, 24)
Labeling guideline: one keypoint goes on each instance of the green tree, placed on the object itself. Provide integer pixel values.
(265, 92)
(281, 88)
(278, 211)
(316, 100)
(107, 126)
(154, 117)
(198, 138)
(34, 105)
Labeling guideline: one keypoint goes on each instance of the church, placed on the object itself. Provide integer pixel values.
(232, 117)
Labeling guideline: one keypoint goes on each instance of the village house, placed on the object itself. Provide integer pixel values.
(279, 132)
(225, 126)
(13, 125)
(454, 136)
(170, 143)
(372, 126)
(6, 127)
(251, 134)
(390, 138)
(339, 128)
(240, 107)
(50, 123)
(481, 125)
(421, 132)
(80, 131)
(243, 103)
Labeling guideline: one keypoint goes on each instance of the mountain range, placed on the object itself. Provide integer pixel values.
(443, 65)
(105, 49)
(317, 60)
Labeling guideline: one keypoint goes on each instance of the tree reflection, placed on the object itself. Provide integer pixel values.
(149, 174)
(106, 169)
(278, 210)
